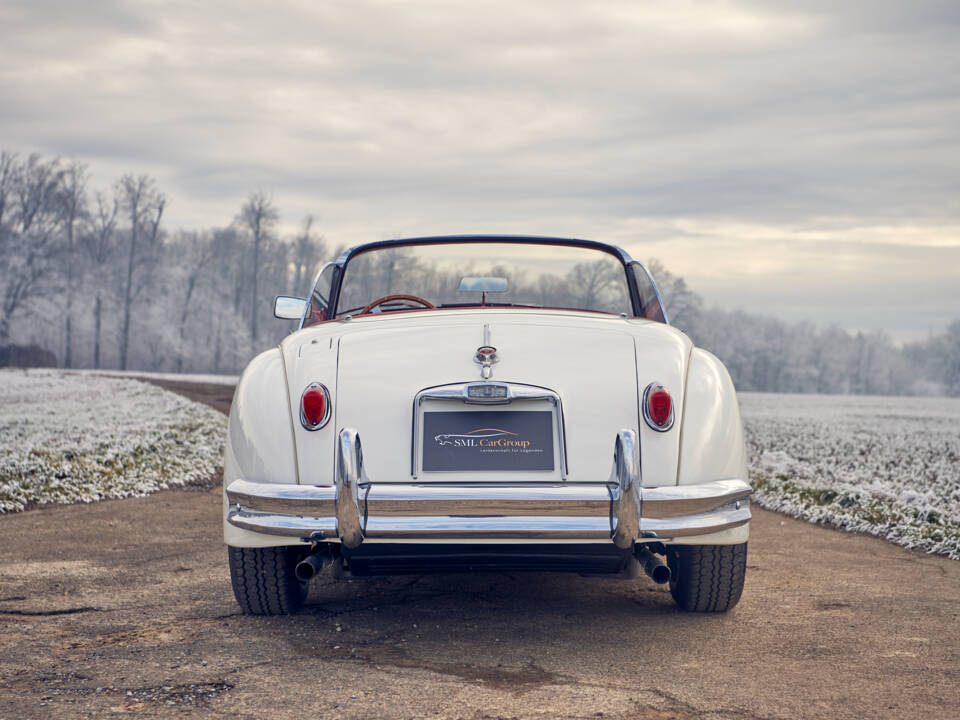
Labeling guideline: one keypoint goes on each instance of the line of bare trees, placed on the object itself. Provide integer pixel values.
(766, 354)
(94, 276)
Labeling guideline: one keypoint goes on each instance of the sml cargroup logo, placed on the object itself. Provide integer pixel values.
(483, 438)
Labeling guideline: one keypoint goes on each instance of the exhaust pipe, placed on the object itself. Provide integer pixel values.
(653, 565)
(308, 568)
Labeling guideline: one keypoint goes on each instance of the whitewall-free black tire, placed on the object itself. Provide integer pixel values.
(707, 578)
(264, 581)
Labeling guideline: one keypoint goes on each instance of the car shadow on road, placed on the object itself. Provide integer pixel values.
(513, 631)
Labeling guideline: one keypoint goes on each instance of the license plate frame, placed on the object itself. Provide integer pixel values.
(469, 440)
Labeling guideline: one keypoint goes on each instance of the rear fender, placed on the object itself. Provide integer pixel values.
(260, 442)
(711, 439)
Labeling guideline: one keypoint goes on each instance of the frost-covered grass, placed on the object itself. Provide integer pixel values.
(82, 438)
(888, 466)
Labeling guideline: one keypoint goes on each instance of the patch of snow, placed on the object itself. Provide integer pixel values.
(86, 437)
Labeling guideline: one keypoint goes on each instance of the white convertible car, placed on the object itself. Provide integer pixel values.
(484, 403)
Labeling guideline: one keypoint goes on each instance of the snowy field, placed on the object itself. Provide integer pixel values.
(888, 466)
(81, 438)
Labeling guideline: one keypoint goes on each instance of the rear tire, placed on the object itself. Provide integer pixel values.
(264, 582)
(707, 578)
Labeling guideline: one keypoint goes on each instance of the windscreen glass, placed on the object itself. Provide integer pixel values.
(469, 274)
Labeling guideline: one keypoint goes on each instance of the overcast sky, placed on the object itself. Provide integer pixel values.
(790, 158)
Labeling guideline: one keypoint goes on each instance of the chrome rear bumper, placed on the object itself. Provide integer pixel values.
(355, 509)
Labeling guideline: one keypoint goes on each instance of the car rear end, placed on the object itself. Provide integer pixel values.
(562, 449)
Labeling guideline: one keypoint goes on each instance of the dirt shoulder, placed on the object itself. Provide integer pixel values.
(218, 397)
(125, 606)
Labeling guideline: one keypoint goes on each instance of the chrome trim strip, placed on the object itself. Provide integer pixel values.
(317, 500)
(278, 524)
(496, 528)
(677, 500)
(388, 500)
(724, 517)
(515, 391)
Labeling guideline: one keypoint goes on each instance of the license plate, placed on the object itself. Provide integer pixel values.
(493, 440)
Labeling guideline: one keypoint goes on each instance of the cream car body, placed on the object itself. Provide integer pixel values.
(617, 490)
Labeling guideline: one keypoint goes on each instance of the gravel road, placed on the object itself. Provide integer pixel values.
(125, 607)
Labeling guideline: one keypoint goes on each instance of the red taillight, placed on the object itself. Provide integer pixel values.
(314, 406)
(658, 407)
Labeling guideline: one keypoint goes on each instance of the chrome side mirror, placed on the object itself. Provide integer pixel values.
(289, 308)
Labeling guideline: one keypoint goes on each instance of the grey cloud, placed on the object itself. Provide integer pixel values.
(40, 16)
(471, 117)
(878, 15)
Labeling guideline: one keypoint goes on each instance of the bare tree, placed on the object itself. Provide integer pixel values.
(589, 281)
(99, 246)
(197, 252)
(229, 281)
(259, 217)
(73, 202)
(29, 242)
(8, 172)
(144, 206)
(680, 303)
(307, 255)
(231, 253)
(8, 178)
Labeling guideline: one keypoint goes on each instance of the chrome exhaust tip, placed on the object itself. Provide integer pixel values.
(308, 568)
(654, 566)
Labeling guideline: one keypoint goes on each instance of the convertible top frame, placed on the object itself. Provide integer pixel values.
(621, 254)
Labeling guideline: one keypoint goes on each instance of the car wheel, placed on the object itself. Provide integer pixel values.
(264, 582)
(707, 578)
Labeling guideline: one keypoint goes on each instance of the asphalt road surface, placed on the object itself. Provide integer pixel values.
(125, 607)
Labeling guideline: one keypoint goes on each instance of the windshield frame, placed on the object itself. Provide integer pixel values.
(625, 260)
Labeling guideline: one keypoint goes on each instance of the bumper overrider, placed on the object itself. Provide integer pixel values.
(355, 509)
